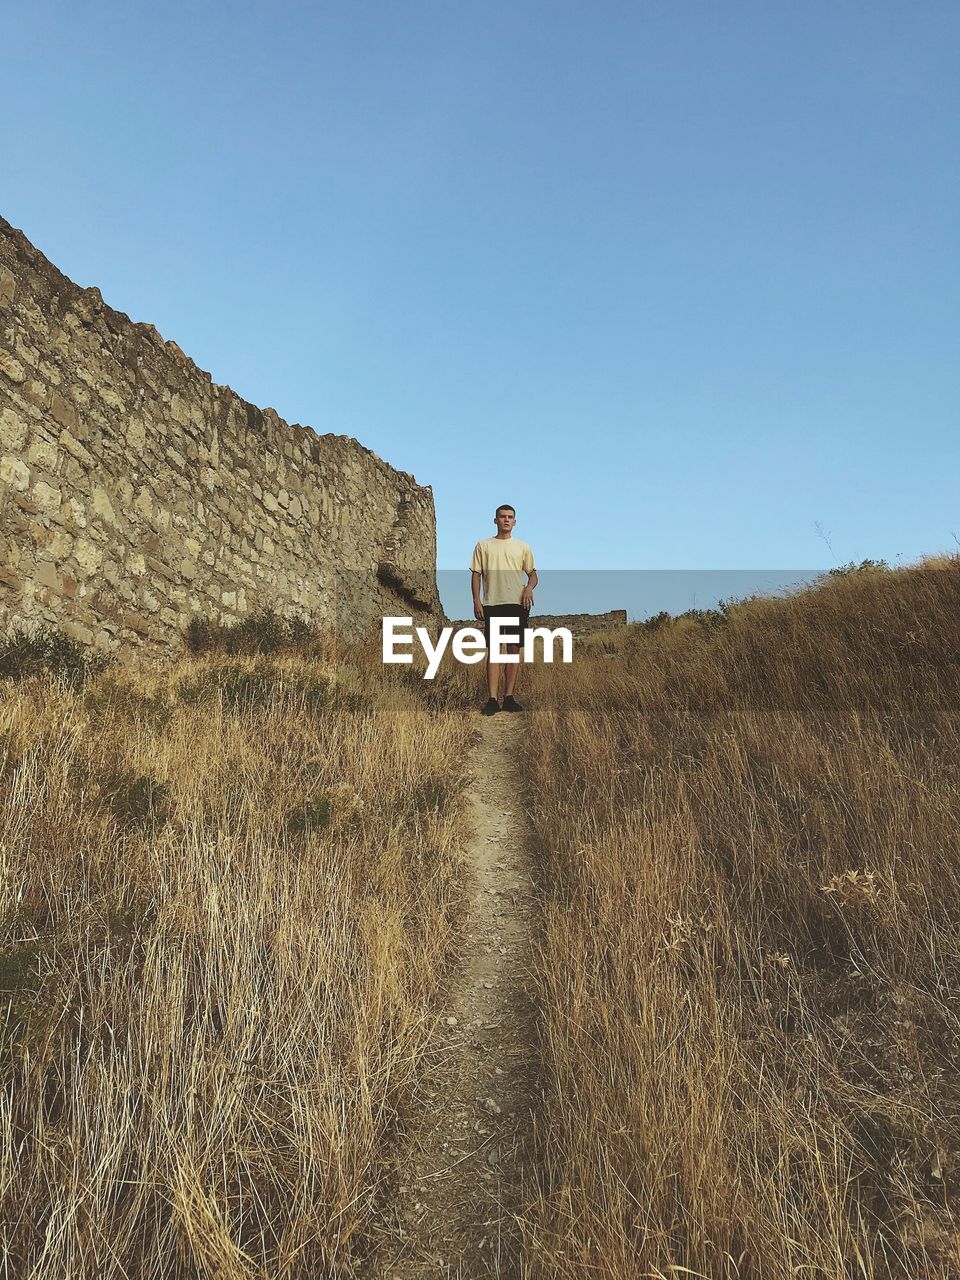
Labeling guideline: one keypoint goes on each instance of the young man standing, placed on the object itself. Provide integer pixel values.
(500, 563)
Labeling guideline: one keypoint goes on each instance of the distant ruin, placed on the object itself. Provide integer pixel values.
(578, 624)
(581, 624)
(137, 493)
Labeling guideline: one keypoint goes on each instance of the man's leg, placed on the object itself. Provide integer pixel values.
(508, 670)
(511, 670)
(493, 668)
(493, 678)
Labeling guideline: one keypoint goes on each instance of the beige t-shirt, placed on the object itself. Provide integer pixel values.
(504, 563)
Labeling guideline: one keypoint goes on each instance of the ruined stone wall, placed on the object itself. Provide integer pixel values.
(578, 624)
(136, 493)
(581, 624)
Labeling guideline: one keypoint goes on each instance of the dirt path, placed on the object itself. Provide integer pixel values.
(465, 1180)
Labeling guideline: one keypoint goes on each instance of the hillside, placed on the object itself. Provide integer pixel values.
(243, 896)
(750, 958)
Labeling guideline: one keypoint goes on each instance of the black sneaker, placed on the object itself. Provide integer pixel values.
(490, 707)
(511, 704)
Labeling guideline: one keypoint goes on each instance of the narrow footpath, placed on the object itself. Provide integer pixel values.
(464, 1185)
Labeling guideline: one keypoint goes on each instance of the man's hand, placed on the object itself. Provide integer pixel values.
(475, 582)
(526, 595)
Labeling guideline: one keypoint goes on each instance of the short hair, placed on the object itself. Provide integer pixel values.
(505, 507)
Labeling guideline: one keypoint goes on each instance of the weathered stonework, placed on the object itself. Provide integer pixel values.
(578, 624)
(581, 624)
(136, 493)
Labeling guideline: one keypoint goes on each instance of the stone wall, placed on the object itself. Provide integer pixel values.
(578, 624)
(136, 493)
(581, 624)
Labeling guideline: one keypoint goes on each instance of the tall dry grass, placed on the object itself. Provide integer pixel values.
(229, 891)
(749, 968)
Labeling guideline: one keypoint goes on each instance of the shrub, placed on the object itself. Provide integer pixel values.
(247, 688)
(706, 617)
(26, 948)
(114, 696)
(45, 650)
(264, 631)
(19, 965)
(310, 815)
(450, 690)
(657, 622)
(865, 566)
(137, 800)
(353, 701)
(127, 923)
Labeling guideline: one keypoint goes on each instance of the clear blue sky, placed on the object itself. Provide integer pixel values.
(678, 280)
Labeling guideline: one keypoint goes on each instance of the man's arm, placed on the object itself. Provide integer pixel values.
(526, 595)
(475, 581)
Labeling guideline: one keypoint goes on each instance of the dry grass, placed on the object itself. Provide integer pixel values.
(749, 969)
(229, 891)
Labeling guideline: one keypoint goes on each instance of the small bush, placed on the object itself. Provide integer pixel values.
(706, 617)
(125, 924)
(247, 688)
(10, 753)
(111, 696)
(25, 952)
(264, 631)
(657, 622)
(450, 689)
(310, 815)
(351, 700)
(46, 651)
(135, 799)
(19, 965)
(865, 566)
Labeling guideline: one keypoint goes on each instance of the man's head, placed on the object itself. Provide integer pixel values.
(505, 518)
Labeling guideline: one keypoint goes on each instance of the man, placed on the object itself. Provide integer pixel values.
(500, 564)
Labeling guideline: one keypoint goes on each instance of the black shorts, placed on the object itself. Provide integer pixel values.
(511, 635)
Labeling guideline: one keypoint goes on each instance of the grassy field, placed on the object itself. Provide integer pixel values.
(749, 972)
(232, 890)
(229, 891)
